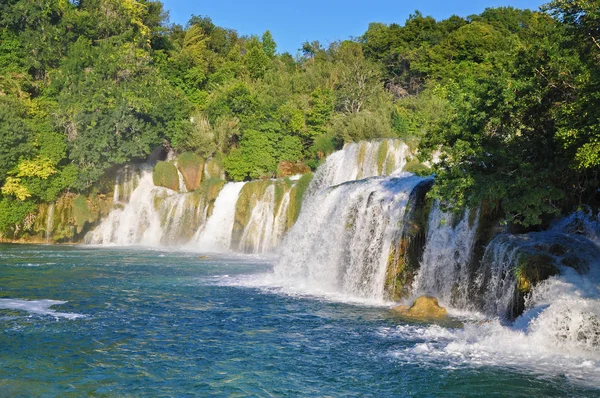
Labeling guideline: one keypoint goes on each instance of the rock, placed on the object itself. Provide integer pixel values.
(288, 169)
(165, 175)
(191, 167)
(424, 307)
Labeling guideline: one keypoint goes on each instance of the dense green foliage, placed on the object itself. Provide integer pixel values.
(508, 96)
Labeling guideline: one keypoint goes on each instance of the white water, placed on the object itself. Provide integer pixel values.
(341, 241)
(216, 235)
(126, 182)
(266, 225)
(38, 307)
(444, 271)
(360, 160)
(137, 223)
(49, 222)
(151, 216)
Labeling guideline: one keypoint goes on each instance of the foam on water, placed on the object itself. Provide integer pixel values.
(38, 307)
(490, 343)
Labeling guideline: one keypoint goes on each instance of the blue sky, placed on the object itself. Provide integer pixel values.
(293, 23)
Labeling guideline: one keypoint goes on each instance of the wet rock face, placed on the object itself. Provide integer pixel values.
(424, 307)
(406, 251)
(288, 169)
(165, 175)
(191, 167)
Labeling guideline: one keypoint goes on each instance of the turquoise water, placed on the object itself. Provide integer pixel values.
(158, 323)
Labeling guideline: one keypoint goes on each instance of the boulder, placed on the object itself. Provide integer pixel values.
(424, 307)
(191, 167)
(288, 169)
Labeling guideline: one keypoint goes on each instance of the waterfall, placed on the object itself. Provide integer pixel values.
(445, 267)
(268, 221)
(341, 241)
(258, 234)
(136, 223)
(126, 182)
(181, 185)
(216, 235)
(513, 262)
(49, 222)
(148, 215)
(361, 160)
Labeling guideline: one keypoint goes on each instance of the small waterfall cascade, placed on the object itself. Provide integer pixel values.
(445, 270)
(258, 236)
(181, 186)
(582, 222)
(513, 265)
(361, 160)
(149, 215)
(341, 241)
(265, 210)
(49, 222)
(215, 236)
(136, 223)
(127, 180)
(250, 217)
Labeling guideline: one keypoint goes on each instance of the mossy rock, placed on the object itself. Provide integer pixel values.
(213, 167)
(209, 190)
(191, 167)
(423, 308)
(287, 169)
(416, 167)
(247, 199)
(296, 197)
(407, 249)
(165, 175)
(382, 167)
(534, 268)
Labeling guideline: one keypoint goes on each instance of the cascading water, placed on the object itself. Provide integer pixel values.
(136, 223)
(267, 223)
(445, 267)
(341, 241)
(49, 222)
(258, 234)
(360, 160)
(126, 182)
(151, 216)
(216, 234)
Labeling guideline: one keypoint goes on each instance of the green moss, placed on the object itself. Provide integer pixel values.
(280, 190)
(214, 167)
(247, 199)
(191, 167)
(533, 268)
(416, 167)
(296, 197)
(209, 189)
(381, 156)
(165, 175)
(362, 153)
(81, 212)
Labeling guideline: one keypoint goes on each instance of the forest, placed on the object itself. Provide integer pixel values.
(506, 100)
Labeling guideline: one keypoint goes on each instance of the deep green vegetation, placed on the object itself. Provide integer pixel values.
(509, 96)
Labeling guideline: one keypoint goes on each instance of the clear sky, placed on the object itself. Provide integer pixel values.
(294, 22)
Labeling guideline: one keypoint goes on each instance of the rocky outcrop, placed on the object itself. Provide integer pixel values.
(165, 175)
(191, 167)
(288, 169)
(424, 307)
(407, 248)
